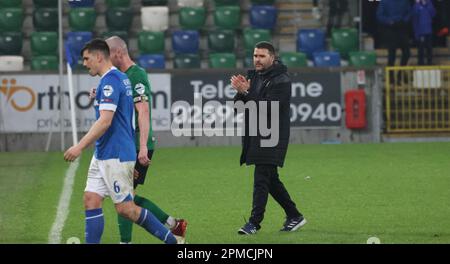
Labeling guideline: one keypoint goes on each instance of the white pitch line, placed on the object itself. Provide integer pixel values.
(54, 237)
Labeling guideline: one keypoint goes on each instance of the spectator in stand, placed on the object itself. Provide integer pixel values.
(394, 17)
(336, 12)
(422, 16)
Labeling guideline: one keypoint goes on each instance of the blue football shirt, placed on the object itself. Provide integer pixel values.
(114, 94)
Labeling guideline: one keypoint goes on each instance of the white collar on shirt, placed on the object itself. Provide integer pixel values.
(112, 68)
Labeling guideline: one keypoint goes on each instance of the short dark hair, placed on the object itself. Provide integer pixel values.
(266, 45)
(96, 45)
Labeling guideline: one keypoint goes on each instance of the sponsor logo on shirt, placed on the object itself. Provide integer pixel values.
(140, 88)
(108, 90)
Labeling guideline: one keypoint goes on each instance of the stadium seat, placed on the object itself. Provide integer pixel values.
(82, 19)
(11, 3)
(227, 17)
(77, 40)
(11, 63)
(327, 59)
(222, 60)
(294, 59)
(44, 43)
(221, 41)
(44, 63)
(263, 16)
(81, 3)
(226, 2)
(45, 3)
(345, 40)
(190, 3)
(118, 3)
(192, 18)
(151, 42)
(155, 18)
(11, 43)
(310, 41)
(121, 34)
(185, 41)
(152, 61)
(119, 18)
(263, 2)
(11, 19)
(154, 2)
(45, 19)
(253, 36)
(363, 58)
(187, 61)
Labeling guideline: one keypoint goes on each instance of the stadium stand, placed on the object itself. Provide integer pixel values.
(44, 43)
(118, 19)
(11, 19)
(118, 3)
(187, 61)
(222, 60)
(44, 63)
(190, 3)
(310, 41)
(155, 18)
(11, 3)
(82, 19)
(192, 18)
(253, 36)
(222, 26)
(185, 41)
(122, 34)
(11, 43)
(85, 3)
(263, 2)
(154, 2)
(345, 40)
(45, 3)
(11, 63)
(363, 58)
(152, 61)
(263, 16)
(294, 59)
(226, 2)
(151, 42)
(221, 41)
(227, 17)
(327, 59)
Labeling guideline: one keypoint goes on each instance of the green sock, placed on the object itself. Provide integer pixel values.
(152, 207)
(125, 228)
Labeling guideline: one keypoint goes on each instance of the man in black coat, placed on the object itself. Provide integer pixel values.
(268, 82)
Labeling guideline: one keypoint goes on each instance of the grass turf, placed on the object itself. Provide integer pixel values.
(348, 193)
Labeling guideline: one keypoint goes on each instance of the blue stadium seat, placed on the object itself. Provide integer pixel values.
(81, 3)
(327, 59)
(76, 41)
(310, 41)
(263, 16)
(152, 61)
(185, 41)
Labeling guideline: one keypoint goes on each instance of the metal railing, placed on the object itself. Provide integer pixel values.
(417, 99)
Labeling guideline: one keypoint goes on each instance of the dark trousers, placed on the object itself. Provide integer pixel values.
(266, 180)
(425, 45)
(397, 36)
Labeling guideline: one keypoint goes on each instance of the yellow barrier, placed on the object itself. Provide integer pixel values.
(417, 99)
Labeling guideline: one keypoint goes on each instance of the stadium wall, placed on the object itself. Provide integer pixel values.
(29, 106)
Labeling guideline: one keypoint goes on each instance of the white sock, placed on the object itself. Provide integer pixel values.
(171, 222)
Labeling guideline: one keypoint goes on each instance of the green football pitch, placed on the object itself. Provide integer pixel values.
(349, 193)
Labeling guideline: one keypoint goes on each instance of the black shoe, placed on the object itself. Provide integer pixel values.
(247, 229)
(293, 224)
